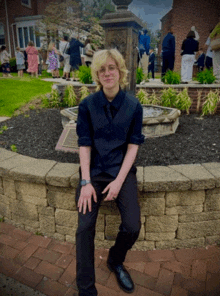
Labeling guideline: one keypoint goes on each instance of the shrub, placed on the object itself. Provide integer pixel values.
(210, 104)
(171, 77)
(168, 97)
(139, 75)
(142, 96)
(84, 91)
(85, 75)
(13, 65)
(206, 77)
(183, 101)
(70, 99)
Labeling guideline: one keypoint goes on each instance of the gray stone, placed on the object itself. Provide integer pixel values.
(47, 224)
(32, 199)
(163, 236)
(34, 171)
(61, 200)
(199, 176)
(5, 154)
(31, 189)
(214, 169)
(61, 173)
(70, 239)
(212, 203)
(24, 209)
(23, 220)
(161, 178)
(100, 223)
(143, 246)
(66, 218)
(5, 210)
(140, 178)
(152, 206)
(66, 230)
(9, 188)
(178, 243)
(74, 180)
(198, 229)
(185, 198)
(47, 211)
(184, 210)
(159, 224)
(212, 240)
(199, 217)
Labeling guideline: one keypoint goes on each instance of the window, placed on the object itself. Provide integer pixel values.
(26, 3)
(27, 33)
(2, 35)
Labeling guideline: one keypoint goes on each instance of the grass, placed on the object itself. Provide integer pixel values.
(16, 92)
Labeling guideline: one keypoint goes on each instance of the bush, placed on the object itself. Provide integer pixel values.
(13, 65)
(139, 75)
(84, 92)
(210, 104)
(142, 96)
(183, 101)
(206, 77)
(85, 75)
(70, 99)
(168, 98)
(171, 77)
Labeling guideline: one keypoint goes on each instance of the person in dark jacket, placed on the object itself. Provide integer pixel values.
(74, 52)
(151, 62)
(189, 47)
(201, 60)
(109, 133)
(168, 51)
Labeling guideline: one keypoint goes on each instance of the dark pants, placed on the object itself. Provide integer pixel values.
(168, 63)
(128, 231)
(208, 63)
(151, 69)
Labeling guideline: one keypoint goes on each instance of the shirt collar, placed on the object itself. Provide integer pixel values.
(117, 102)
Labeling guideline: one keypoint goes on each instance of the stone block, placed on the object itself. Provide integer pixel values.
(5, 199)
(207, 216)
(140, 178)
(5, 210)
(198, 229)
(146, 195)
(5, 154)
(112, 226)
(214, 169)
(109, 208)
(106, 244)
(47, 224)
(185, 198)
(180, 244)
(14, 223)
(74, 179)
(70, 239)
(25, 221)
(184, 210)
(61, 200)
(32, 199)
(212, 201)
(162, 178)
(66, 230)
(32, 189)
(68, 190)
(143, 246)
(100, 223)
(9, 188)
(24, 209)
(99, 236)
(199, 176)
(152, 206)
(162, 236)
(212, 240)
(1, 186)
(31, 229)
(66, 218)
(58, 236)
(161, 223)
(47, 211)
(142, 233)
(61, 173)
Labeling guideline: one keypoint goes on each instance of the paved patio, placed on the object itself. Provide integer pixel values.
(48, 266)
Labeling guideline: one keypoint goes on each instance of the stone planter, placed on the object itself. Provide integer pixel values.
(215, 43)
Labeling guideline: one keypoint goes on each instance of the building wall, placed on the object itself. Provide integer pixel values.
(202, 14)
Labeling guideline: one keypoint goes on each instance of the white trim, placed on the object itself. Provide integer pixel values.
(26, 24)
(8, 28)
(26, 5)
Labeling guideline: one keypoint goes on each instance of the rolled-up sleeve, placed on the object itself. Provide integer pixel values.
(84, 125)
(135, 134)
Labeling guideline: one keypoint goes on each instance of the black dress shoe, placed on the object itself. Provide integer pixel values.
(123, 277)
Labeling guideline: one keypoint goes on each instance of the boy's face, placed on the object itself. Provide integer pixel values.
(109, 75)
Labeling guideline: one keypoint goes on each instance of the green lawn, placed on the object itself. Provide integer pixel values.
(16, 92)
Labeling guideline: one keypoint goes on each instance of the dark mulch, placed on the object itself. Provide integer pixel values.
(195, 141)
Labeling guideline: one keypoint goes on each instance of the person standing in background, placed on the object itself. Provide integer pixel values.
(74, 52)
(209, 54)
(151, 62)
(88, 52)
(32, 54)
(143, 47)
(168, 52)
(52, 55)
(201, 60)
(20, 62)
(5, 58)
(64, 45)
(40, 63)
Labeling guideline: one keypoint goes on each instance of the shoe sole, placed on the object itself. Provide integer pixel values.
(126, 291)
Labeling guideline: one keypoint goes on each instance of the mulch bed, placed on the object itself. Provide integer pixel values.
(197, 140)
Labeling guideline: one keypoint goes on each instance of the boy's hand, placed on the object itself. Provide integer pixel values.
(85, 199)
(113, 189)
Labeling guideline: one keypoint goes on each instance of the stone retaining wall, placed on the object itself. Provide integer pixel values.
(180, 204)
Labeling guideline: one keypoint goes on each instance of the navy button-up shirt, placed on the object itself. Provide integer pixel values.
(109, 133)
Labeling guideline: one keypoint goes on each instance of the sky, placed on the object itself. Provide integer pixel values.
(151, 10)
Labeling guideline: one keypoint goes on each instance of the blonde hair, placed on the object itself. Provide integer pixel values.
(18, 48)
(30, 43)
(99, 59)
(50, 46)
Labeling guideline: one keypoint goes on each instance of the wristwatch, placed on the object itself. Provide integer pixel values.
(85, 182)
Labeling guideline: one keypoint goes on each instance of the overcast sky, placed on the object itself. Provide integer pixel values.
(151, 10)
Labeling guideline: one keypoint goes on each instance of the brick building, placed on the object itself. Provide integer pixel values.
(203, 14)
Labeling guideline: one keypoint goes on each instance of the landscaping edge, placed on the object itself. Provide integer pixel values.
(180, 204)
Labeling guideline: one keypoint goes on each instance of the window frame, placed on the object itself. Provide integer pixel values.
(28, 27)
(26, 5)
(1, 24)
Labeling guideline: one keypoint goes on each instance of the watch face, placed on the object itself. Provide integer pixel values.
(83, 182)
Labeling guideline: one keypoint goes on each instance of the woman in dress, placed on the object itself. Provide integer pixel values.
(52, 55)
(189, 47)
(5, 56)
(32, 54)
(64, 45)
(88, 52)
(20, 62)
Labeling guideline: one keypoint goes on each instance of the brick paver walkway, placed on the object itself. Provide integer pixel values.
(48, 265)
